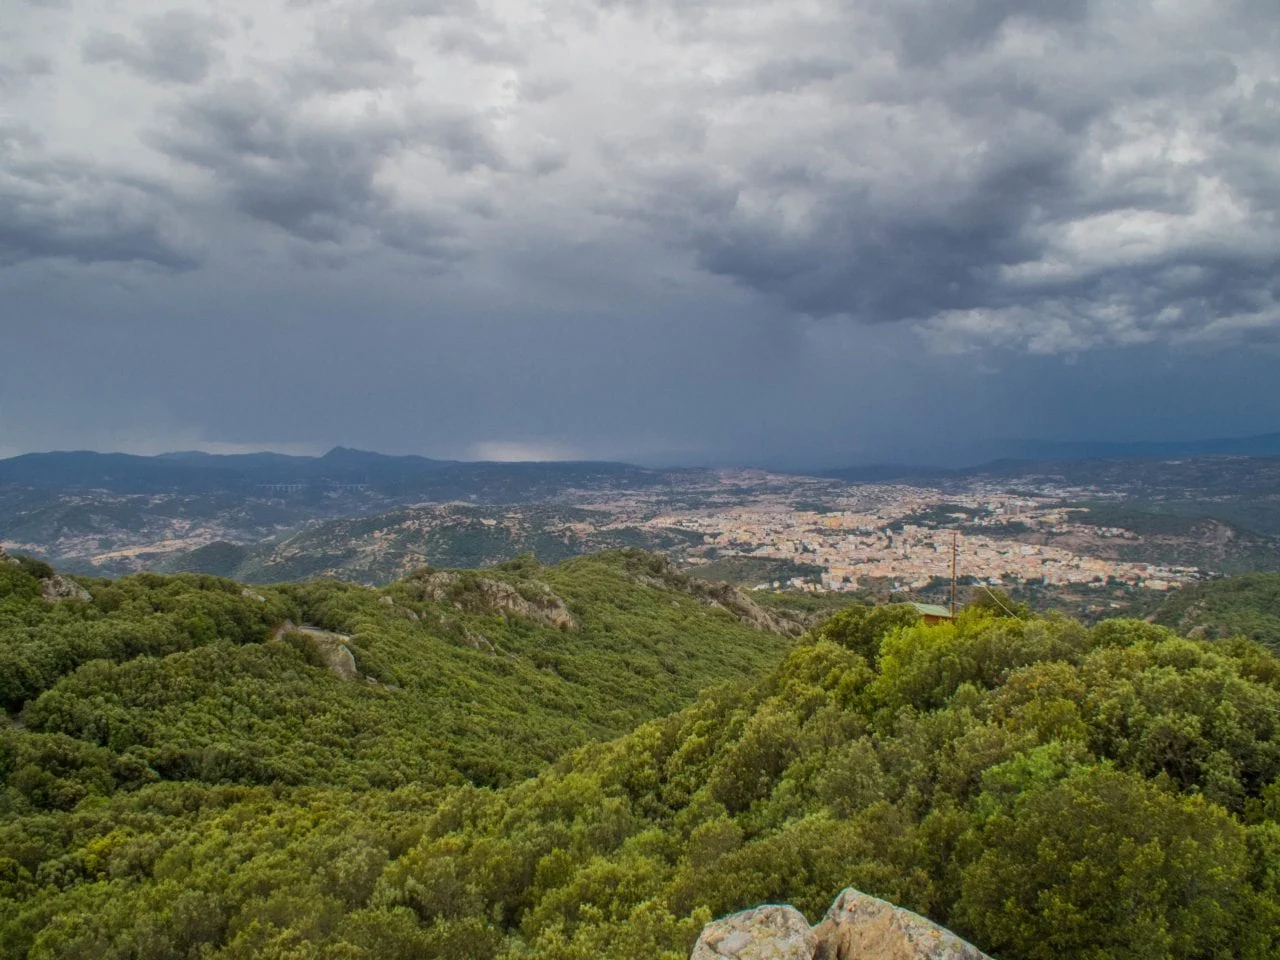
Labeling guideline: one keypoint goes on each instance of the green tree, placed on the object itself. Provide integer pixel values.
(1106, 865)
(861, 629)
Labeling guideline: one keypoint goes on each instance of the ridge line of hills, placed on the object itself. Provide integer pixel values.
(204, 472)
(197, 471)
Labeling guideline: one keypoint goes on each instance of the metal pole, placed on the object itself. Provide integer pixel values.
(953, 574)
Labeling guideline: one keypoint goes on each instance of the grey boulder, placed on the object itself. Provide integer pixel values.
(765, 933)
(857, 927)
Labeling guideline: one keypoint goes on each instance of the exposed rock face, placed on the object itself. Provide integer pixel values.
(745, 609)
(339, 659)
(656, 571)
(330, 647)
(5, 558)
(403, 611)
(57, 588)
(857, 927)
(532, 600)
(765, 933)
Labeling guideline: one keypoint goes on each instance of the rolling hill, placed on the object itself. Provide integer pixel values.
(381, 548)
(1246, 605)
(480, 677)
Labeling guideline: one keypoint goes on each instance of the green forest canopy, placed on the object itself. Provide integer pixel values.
(1045, 789)
(170, 674)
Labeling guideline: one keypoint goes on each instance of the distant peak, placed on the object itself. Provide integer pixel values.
(348, 453)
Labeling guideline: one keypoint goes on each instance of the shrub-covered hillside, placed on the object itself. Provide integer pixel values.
(458, 677)
(1047, 790)
(1247, 605)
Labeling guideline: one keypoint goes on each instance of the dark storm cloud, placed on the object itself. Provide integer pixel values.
(927, 32)
(910, 261)
(462, 141)
(174, 47)
(935, 249)
(310, 182)
(316, 177)
(55, 207)
(989, 166)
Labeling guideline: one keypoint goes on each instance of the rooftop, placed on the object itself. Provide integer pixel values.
(932, 610)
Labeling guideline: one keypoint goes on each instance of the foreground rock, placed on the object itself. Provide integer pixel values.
(857, 927)
(765, 933)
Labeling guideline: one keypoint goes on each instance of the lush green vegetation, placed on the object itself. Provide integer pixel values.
(1046, 789)
(1144, 522)
(170, 678)
(384, 547)
(1247, 605)
(219, 558)
(1191, 538)
(805, 606)
(938, 515)
(750, 571)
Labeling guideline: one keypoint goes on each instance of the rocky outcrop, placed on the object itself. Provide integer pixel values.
(487, 596)
(765, 933)
(403, 611)
(54, 587)
(857, 927)
(746, 610)
(478, 641)
(653, 570)
(57, 588)
(330, 648)
(338, 658)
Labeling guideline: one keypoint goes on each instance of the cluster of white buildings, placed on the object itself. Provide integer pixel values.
(883, 543)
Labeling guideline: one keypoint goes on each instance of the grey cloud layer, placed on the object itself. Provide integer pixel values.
(1048, 175)
(1055, 175)
(59, 207)
(176, 47)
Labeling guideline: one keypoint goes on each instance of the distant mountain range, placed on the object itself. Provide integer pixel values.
(1261, 445)
(398, 476)
(195, 472)
(1013, 457)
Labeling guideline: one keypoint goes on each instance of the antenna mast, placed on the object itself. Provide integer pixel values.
(953, 574)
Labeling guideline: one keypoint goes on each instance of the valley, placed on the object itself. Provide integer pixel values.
(1091, 538)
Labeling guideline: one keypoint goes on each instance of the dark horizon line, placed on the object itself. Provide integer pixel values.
(953, 455)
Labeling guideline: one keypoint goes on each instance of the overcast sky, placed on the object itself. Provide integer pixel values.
(809, 231)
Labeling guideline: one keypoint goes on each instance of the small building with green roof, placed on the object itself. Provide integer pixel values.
(932, 612)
